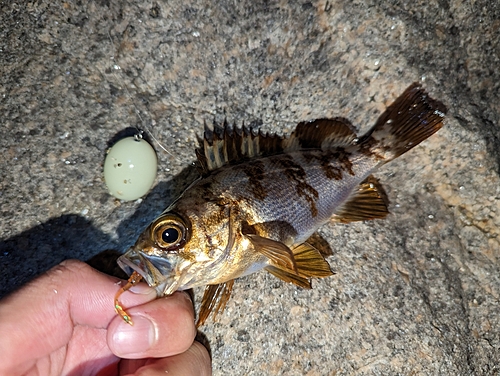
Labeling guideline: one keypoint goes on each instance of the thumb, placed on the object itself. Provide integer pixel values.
(163, 327)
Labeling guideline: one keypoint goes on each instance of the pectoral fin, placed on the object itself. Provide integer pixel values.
(369, 201)
(288, 276)
(214, 299)
(310, 263)
(317, 241)
(280, 255)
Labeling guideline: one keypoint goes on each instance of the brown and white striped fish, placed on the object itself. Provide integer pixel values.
(261, 198)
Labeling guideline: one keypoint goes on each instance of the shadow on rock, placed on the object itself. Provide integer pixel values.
(71, 236)
(36, 250)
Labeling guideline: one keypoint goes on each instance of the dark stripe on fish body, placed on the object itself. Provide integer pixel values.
(206, 189)
(367, 147)
(326, 159)
(255, 173)
(330, 171)
(294, 172)
(342, 157)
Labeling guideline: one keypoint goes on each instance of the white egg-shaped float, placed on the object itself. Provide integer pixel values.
(130, 168)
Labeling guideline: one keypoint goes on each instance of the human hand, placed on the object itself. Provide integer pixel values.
(63, 323)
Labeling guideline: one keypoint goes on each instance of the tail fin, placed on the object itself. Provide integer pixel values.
(412, 118)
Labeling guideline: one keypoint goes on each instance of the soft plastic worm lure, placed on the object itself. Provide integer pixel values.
(132, 281)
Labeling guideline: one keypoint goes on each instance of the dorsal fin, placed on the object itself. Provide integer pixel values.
(325, 133)
(225, 144)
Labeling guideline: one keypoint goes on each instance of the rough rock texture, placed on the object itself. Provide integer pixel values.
(417, 293)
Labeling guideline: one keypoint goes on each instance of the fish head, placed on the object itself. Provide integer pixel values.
(180, 251)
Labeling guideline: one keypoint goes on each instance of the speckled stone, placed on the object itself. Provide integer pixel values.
(417, 293)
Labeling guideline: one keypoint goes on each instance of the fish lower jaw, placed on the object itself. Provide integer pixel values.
(166, 288)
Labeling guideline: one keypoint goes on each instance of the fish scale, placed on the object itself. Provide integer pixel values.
(260, 199)
(286, 194)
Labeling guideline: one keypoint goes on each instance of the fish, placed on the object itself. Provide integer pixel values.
(261, 198)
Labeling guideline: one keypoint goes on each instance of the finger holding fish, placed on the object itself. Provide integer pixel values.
(133, 280)
(164, 327)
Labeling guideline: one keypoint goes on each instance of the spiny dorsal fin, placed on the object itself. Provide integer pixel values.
(214, 299)
(225, 144)
(369, 201)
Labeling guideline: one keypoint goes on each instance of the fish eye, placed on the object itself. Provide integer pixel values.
(169, 233)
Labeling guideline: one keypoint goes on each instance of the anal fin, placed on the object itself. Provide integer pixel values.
(369, 201)
(214, 300)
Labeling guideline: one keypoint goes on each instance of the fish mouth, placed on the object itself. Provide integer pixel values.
(158, 272)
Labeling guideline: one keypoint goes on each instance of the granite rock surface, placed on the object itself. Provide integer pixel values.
(414, 294)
